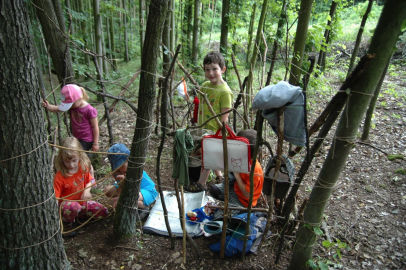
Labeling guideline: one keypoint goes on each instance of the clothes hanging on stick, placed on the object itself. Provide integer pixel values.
(272, 97)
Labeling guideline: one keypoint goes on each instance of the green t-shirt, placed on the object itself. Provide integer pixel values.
(220, 97)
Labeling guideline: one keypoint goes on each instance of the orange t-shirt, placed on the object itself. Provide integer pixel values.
(258, 183)
(65, 185)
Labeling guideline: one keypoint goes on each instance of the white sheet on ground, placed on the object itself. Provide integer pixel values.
(156, 222)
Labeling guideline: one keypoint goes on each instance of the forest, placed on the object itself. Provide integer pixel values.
(336, 200)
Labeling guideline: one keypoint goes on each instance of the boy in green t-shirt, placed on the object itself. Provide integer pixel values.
(220, 97)
(217, 90)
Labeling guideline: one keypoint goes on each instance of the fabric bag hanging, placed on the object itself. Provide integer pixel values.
(238, 149)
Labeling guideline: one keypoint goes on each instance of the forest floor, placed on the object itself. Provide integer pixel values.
(366, 210)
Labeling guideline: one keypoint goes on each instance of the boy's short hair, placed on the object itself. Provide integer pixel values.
(214, 58)
(251, 135)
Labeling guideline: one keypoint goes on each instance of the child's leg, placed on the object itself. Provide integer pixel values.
(218, 173)
(70, 210)
(94, 208)
(204, 175)
(141, 201)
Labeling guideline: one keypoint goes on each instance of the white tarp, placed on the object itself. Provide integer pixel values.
(156, 222)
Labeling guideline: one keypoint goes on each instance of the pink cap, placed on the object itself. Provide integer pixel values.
(70, 94)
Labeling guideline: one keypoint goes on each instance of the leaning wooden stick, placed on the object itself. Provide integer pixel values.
(226, 192)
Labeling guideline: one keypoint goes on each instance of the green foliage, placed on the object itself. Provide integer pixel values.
(392, 157)
(334, 250)
(351, 18)
(401, 171)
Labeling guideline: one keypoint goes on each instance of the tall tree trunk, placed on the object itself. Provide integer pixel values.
(278, 36)
(166, 54)
(112, 44)
(53, 27)
(141, 14)
(300, 40)
(195, 46)
(359, 36)
(84, 33)
(364, 81)
(187, 28)
(125, 218)
(29, 228)
(225, 16)
(250, 32)
(126, 56)
(371, 107)
(173, 25)
(98, 34)
(254, 55)
(321, 63)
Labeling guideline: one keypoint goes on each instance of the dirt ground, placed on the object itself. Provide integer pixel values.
(364, 218)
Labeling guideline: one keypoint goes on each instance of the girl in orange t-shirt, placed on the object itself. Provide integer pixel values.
(240, 182)
(73, 181)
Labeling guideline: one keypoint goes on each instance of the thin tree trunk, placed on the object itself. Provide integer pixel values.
(126, 56)
(105, 105)
(322, 54)
(141, 14)
(371, 107)
(125, 218)
(254, 54)
(195, 42)
(30, 226)
(300, 40)
(367, 78)
(359, 36)
(278, 36)
(112, 44)
(212, 21)
(53, 27)
(250, 32)
(172, 26)
(98, 34)
(225, 16)
(166, 54)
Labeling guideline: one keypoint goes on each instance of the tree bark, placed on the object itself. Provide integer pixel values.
(166, 54)
(254, 54)
(53, 27)
(195, 46)
(379, 53)
(321, 63)
(359, 36)
(225, 15)
(371, 107)
(278, 36)
(30, 230)
(98, 34)
(126, 56)
(125, 218)
(300, 40)
(112, 44)
(250, 31)
(141, 14)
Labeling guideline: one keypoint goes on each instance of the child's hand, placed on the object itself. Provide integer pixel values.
(95, 147)
(119, 177)
(45, 104)
(86, 195)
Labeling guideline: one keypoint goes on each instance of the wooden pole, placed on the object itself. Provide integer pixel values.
(226, 191)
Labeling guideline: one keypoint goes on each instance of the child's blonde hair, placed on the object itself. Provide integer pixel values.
(84, 94)
(72, 146)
